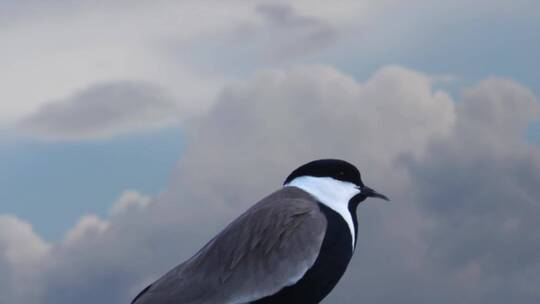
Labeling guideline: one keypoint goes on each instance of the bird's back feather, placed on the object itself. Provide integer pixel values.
(267, 248)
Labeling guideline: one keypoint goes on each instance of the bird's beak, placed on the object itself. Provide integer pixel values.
(367, 191)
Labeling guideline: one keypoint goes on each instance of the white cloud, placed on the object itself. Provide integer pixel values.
(21, 254)
(130, 199)
(20, 243)
(89, 226)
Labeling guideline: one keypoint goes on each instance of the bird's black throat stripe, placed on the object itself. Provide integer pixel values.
(320, 279)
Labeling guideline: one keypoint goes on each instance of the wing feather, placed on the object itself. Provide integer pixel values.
(267, 248)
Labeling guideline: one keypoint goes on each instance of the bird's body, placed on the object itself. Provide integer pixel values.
(291, 247)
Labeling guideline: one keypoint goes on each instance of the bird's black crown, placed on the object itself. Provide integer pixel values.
(334, 168)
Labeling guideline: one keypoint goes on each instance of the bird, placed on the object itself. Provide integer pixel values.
(293, 246)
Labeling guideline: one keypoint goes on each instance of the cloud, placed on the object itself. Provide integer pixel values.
(479, 189)
(285, 118)
(21, 251)
(103, 110)
(277, 34)
(63, 47)
(130, 199)
(294, 34)
(194, 59)
(88, 226)
(21, 244)
(173, 53)
(462, 180)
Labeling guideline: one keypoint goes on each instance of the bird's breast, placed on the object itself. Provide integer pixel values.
(334, 257)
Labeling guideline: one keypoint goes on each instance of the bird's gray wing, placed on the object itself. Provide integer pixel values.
(269, 247)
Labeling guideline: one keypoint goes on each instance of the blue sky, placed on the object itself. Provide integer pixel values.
(52, 184)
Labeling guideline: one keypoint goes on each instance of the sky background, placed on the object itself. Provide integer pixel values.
(125, 125)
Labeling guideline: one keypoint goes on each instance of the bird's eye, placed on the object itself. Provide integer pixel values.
(341, 173)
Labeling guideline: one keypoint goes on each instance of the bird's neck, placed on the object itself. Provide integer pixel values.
(334, 194)
(352, 211)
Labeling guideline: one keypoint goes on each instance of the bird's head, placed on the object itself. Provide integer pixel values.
(332, 177)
